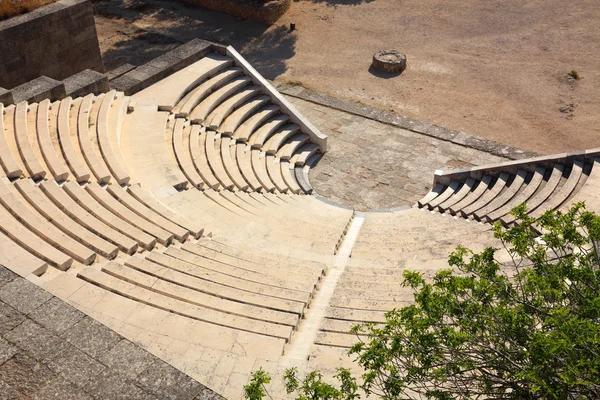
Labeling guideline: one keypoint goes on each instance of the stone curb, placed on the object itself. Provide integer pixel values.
(414, 125)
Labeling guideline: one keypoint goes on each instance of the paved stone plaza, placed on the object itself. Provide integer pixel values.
(371, 165)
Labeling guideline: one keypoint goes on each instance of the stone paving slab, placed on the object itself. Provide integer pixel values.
(51, 350)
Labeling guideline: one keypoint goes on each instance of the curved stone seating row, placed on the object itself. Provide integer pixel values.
(59, 224)
(489, 193)
(211, 160)
(69, 139)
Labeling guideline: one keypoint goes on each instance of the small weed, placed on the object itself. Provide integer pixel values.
(575, 75)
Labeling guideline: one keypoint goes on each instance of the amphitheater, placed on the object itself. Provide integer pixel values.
(182, 218)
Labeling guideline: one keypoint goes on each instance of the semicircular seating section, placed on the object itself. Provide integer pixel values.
(232, 106)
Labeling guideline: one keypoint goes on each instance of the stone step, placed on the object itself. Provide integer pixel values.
(215, 79)
(522, 196)
(9, 165)
(244, 161)
(89, 203)
(213, 155)
(147, 213)
(30, 160)
(498, 185)
(233, 121)
(74, 161)
(251, 124)
(220, 113)
(217, 276)
(199, 298)
(206, 106)
(55, 164)
(151, 202)
(15, 205)
(199, 158)
(262, 134)
(213, 288)
(260, 170)
(62, 221)
(291, 282)
(230, 164)
(88, 114)
(504, 197)
(110, 118)
(182, 153)
(86, 219)
(180, 307)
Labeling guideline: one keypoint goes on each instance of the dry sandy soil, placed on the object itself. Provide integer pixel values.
(494, 68)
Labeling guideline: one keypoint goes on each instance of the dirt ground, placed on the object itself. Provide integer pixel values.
(494, 68)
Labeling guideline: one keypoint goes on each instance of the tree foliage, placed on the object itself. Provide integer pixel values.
(526, 329)
(521, 322)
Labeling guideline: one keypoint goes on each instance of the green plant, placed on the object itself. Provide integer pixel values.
(312, 387)
(526, 329)
(575, 75)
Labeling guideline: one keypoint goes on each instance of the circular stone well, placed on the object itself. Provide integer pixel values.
(389, 61)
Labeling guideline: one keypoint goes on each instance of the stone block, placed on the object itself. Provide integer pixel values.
(56, 315)
(6, 276)
(58, 388)
(23, 295)
(39, 89)
(7, 350)
(24, 375)
(117, 72)
(127, 359)
(85, 82)
(91, 337)
(125, 83)
(6, 96)
(38, 341)
(109, 385)
(75, 366)
(50, 41)
(166, 382)
(9, 318)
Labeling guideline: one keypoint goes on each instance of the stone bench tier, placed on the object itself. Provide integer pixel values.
(62, 221)
(206, 106)
(215, 288)
(181, 307)
(233, 121)
(57, 167)
(220, 113)
(14, 204)
(9, 165)
(86, 219)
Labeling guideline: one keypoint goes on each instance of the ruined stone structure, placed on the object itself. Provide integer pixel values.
(176, 209)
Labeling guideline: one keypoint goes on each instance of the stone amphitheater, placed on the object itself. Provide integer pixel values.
(182, 218)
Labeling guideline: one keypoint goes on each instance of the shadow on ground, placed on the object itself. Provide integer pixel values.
(341, 2)
(151, 27)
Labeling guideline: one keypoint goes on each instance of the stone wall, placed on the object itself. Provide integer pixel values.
(267, 11)
(57, 40)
